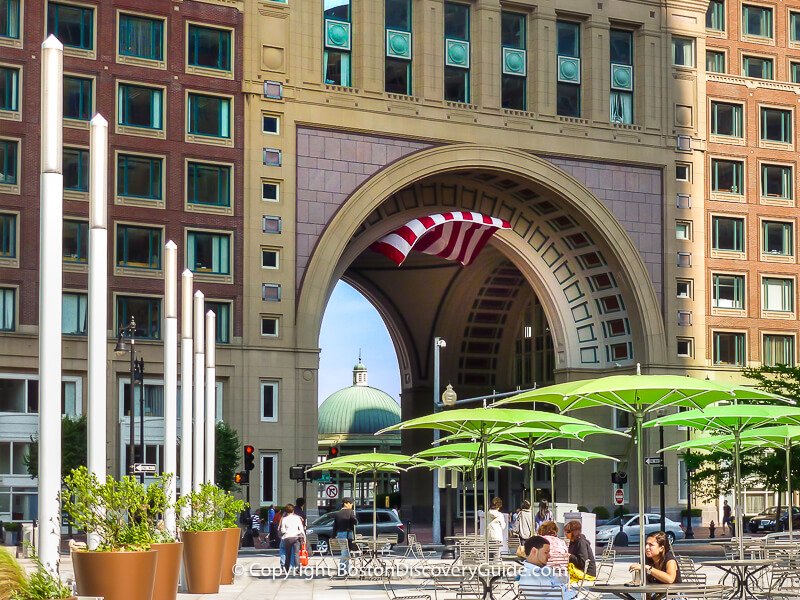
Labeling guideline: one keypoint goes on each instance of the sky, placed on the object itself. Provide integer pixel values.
(351, 322)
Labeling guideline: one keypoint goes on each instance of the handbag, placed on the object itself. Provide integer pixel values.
(303, 555)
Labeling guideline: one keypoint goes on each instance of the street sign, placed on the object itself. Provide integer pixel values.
(619, 497)
(654, 460)
(331, 491)
(144, 468)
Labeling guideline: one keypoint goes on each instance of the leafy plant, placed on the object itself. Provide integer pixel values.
(601, 512)
(12, 576)
(73, 447)
(39, 585)
(209, 509)
(229, 455)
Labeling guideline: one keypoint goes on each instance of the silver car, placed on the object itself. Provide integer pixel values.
(630, 526)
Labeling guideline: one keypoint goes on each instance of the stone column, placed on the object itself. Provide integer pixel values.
(542, 64)
(486, 55)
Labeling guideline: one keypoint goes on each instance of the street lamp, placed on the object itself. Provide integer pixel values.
(438, 344)
(126, 342)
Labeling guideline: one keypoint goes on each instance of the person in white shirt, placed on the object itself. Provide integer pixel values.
(292, 533)
(497, 522)
(537, 574)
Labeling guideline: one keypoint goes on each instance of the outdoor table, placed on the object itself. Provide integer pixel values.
(743, 572)
(370, 551)
(632, 592)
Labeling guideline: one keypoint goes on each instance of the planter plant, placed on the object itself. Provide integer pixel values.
(123, 566)
(168, 548)
(16, 584)
(231, 509)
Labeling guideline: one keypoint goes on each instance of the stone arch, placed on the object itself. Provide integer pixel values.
(531, 245)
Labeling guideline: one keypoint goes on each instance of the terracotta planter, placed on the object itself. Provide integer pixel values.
(168, 570)
(115, 575)
(202, 560)
(230, 554)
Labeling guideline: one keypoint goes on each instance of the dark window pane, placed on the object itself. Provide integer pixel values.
(456, 21)
(569, 42)
(398, 14)
(398, 76)
(455, 84)
(569, 100)
(76, 169)
(512, 33)
(77, 98)
(621, 47)
(514, 92)
(210, 48)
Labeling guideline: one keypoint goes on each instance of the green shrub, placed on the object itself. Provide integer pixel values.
(210, 509)
(601, 512)
(620, 511)
(696, 512)
(15, 584)
(583, 509)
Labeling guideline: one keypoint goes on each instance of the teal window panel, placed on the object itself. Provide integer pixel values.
(621, 107)
(715, 61)
(208, 184)
(139, 176)
(140, 106)
(777, 238)
(398, 44)
(398, 14)
(9, 88)
(778, 350)
(8, 301)
(75, 167)
(146, 313)
(8, 235)
(795, 67)
(74, 313)
(727, 234)
(209, 48)
(776, 181)
(727, 119)
(757, 67)
(222, 310)
(794, 26)
(76, 241)
(141, 37)
(727, 291)
(727, 176)
(138, 247)
(337, 35)
(209, 115)
(682, 52)
(336, 9)
(776, 125)
(9, 19)
(73, 25)
(8, 162)
(515, 62)
(209, 253)
(77, 94)
(457, 54)
(715, 15)
(757, 21)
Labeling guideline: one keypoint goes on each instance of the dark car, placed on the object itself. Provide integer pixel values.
(765, 520)
(387, 521)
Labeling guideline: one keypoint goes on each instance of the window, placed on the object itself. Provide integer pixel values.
(776, 125)
(685, 347)
(269, 191)
(271, 292)
(208, 253)
(755, 66)
(76, 169)
(76, 241)
(683, 52)
(73, 313)
(336, 66)
(138, 247)
(209, 48)
(778, 294)
(146, 313)
(683, 230)
(715, 15)
(683, 482)
(621, 100)
(777, 238)
(776, 181)
(139, 177)
(269, 479)
(757, 21)
(728, 348)
(457, 52)
(223, 323)
(269, 401)
(72, 25)
(398, 47)
(139, 106)
(270, 224)
(8, 297)
(9, 87)
(794, 26)
(622, 419)
(568, 88)
(270, 124)
(726, 176)
(8, 162)
(683, 172)
(9, 18)
(153, 400)
(683, 288)
(727, 234)
(272, 157)
(8, 235)
(726, 119)
(12, 459)
(715, 61)
(778, 350)
(77, 98)
(209, 115)
(141, 37)
(269, 258)
(727, 291)
(269, 326)
(208, 184)
(795, 72)
(515, 58)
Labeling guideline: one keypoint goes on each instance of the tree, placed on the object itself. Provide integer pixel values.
(229, 456)
(73, 447)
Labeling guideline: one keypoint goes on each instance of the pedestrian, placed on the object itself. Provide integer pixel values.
(542, 515)
(727, 518)
(496, 521)
(300, 509)
(580, 550)
(255, 529)
(344, 528)
(274, 535)
(292, 534)
(559, 553)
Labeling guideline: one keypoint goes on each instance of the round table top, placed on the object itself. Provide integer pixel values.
(755, 562)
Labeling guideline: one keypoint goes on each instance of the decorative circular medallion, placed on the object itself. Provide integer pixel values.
(457, 54)
(569, 70)
(622, 78)
(398, 44)
(337, 34)
(514, 62)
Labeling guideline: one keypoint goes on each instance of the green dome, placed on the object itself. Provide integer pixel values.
(358, 409)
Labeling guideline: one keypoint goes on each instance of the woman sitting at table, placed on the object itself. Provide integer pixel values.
(660, 566)
(559, 553)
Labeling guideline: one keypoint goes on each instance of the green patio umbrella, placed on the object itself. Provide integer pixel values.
(638, 395)
(363, 463)
(480, 423)
(735, 420)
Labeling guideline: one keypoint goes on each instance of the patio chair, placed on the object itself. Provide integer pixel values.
(783, 580)
(535, 592)
(513, 543)
(689, 572)
(604, 569)
(608, 550)
(314, 549)
(336, 546)
(709, 594)
(390, 592)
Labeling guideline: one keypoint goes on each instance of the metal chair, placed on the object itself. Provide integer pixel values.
(315, 549)
(337, 545)
(689, 572)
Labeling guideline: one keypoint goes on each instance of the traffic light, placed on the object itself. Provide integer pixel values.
(619, 477)
(333, 452)
(249, 458)
(242, 478)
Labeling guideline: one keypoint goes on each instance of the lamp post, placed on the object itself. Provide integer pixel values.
(449, 398)
(438, 344)
(126, 342)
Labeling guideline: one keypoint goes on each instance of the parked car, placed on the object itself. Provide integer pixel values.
(388, 522)
(630, 525)
(765, 520)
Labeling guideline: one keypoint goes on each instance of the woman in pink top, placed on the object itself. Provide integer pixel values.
(559, 554)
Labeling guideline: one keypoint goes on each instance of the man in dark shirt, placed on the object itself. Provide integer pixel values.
(300, 509)
(344, 527)
(580, 550)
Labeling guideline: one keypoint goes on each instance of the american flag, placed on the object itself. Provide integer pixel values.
(458, 236)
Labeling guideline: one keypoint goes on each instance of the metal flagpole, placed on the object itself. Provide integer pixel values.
(199, 389)
(170, 377)
(97, 331)
(187, 292)
(50, 289)
(211, 394)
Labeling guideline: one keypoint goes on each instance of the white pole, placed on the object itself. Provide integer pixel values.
(98, 309)
(211, 394)
(170, 377)
(50, 289)
(199, 389)
(187, 291)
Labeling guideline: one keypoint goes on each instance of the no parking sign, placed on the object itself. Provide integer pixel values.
(330, 491)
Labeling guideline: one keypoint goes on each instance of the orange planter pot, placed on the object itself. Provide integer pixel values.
(202, 560)
(115, 575)
(230, 554)
(168, 570)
